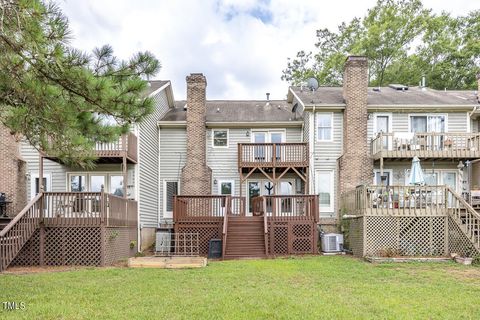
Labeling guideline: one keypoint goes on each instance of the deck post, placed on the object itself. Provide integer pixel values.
(103, 229)
(41, 242)
(125, 178)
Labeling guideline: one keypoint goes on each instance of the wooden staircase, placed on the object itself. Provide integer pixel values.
(245, 237)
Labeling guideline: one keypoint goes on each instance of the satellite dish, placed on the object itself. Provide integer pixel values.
(312, 83)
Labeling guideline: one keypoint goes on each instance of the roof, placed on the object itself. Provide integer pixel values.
(155, 85)
(239, 111)
(388, 96)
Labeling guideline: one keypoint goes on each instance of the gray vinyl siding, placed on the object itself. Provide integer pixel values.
(59, 173)
(148, 149)
(223, 161)
(326, 154)
(173, 152)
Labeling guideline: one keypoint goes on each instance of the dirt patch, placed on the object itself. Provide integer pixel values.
(37, 269)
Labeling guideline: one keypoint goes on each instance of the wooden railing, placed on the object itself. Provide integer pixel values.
(126, 144)
(14, 236)
(287, 206)
(200, 207)
(237, 206)
(467, 218)
(121, 212)
(74, 208)
(396, 200)
(428, 144)
(272, 155)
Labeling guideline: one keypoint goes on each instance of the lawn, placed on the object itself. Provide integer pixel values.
(295, 288)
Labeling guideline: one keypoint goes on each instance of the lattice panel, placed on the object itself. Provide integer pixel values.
(280, 238)
(29, 255)
(302, 238)
(354, 236)
(458, 241)
(405, 236)
(117, 244)
(206, 231)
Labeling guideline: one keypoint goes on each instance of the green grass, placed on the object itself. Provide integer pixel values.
(296, 288)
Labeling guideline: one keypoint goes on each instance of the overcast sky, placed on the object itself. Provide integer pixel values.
(241, 46)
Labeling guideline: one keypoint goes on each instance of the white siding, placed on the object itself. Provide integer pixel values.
(148, 149)
(173, 152)
(326, 155)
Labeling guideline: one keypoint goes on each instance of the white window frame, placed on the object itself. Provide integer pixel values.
(219, 185)
(87, 174)
(390, 171)
(168, 214)
(213, 139)
(410, 115)
(390, 123)
(330, 209)
(33, 177)
(317, 119)
(268, 136)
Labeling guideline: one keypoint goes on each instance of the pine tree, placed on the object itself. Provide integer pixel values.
(60, 99)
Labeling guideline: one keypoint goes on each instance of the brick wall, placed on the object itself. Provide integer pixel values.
(12, 172)
(355, 165)
(196, 175)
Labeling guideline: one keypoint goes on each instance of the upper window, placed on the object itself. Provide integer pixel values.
(431, 123)
(220, 138)
(324, 127)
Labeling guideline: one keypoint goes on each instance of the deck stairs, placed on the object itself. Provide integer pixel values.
(467, 219)
(15, 234)
(245, 238)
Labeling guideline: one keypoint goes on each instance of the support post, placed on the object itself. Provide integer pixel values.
(103, 229)
(125, 177)
(41, 255)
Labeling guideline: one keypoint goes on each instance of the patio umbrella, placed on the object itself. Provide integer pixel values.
(416, 173)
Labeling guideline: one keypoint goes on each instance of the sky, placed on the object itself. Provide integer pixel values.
(241, 46)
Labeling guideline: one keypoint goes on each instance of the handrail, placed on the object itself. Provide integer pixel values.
(471, 221)
(20, 215)
(19, 231)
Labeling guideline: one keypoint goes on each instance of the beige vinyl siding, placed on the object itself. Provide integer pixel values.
(223, 161)
(148, 149)
(59, 173)
(173, 152)
(326, 154)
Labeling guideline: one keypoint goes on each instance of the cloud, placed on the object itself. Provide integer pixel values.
(240, 45)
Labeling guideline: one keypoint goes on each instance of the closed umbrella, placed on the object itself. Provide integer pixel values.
(417, 178)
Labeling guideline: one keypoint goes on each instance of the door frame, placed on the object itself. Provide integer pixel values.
(33, 177)
(261, 181)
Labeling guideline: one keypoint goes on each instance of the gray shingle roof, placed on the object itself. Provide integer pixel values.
(238, 111)
(389, 96)
(155, 85)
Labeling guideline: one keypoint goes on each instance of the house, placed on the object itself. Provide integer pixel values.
(266, 176)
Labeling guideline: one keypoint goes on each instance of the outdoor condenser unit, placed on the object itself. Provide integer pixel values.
(332, 242)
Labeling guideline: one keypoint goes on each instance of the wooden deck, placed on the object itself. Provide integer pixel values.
(70, 228)
(272, 155)
(114, 152)
(279, 225)
(430, 145)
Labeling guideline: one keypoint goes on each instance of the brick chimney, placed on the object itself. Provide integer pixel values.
(196, 175)
(355, 165)
(12, 172)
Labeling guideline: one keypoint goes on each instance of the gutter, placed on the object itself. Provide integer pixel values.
(230, 124)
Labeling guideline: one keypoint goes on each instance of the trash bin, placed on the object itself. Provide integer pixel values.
(215, 249)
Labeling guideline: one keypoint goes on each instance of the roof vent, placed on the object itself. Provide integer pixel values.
(399, 87)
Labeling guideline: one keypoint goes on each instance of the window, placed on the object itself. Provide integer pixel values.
(325, 190)
(324, 127)
(78, 183)
(116, 185)
(220, 138)
(225, 187)
(171, 189)
(427, 123)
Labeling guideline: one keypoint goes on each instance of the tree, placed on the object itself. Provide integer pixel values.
(59, 98)
(403, 41)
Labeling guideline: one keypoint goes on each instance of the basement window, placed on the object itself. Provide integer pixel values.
(220, 138)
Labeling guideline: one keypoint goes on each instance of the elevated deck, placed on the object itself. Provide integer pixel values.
(428, 145)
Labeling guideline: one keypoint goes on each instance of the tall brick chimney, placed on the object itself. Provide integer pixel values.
(355, 165)
(12, 172)
(196, 175)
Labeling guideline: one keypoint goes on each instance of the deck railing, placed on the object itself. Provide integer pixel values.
(126, 144)
(14, 236)
(272, 155)
(200, 207)
(286, 206)
(427, 144)
(396, 200)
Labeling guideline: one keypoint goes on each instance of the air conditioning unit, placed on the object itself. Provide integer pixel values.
(332, 242)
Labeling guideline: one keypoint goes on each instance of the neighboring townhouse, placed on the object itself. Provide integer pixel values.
(133, 158)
